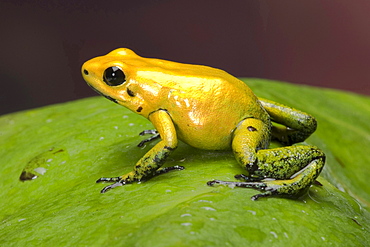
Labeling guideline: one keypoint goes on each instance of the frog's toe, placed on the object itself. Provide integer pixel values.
(211, 183)
(154, 133)
(248, 179)
(267, 190)
(148, 132)
(117, 182)
(112, 186)
(254, 185)
(265, 194)
(115, 179)
(167, 169)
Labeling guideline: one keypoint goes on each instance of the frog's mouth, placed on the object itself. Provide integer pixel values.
(110, 98)
(106, 96)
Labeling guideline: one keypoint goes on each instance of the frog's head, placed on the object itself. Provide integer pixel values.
(115, 77)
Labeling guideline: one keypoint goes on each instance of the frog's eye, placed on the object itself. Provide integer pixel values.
(114, 76)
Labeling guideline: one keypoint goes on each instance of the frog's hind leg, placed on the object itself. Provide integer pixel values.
(286, 171)
(296, 127)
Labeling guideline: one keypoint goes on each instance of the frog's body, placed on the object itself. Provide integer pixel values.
(208, 108)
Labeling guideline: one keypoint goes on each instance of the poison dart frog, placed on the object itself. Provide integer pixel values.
(207, 108)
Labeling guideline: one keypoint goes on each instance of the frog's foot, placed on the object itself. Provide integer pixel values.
(269, 191)
(129, 178)
(154, 133)
(284, 188)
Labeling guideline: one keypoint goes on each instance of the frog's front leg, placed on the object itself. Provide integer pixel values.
(286, 171)
(149, 164)
(155, 136)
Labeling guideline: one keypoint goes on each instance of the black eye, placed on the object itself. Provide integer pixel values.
(114, 76)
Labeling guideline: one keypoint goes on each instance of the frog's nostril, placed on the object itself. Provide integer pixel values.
(86, 72)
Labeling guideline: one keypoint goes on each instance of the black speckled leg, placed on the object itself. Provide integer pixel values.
(119, 182)
(284, 171)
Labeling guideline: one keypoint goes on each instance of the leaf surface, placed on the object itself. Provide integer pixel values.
(68, 146)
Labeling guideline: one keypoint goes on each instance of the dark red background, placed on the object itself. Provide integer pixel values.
(44, 43)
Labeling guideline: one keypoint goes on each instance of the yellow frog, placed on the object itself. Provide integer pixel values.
(208, 108)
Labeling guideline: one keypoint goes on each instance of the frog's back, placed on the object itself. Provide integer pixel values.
(189, 77)
(206, 104)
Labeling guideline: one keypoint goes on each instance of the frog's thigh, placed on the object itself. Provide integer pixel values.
(277, 163)
(297, 125)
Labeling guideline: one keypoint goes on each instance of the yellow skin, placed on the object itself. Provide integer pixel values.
(208, 108)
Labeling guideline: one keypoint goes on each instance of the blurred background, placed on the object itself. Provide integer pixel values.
(314, 42)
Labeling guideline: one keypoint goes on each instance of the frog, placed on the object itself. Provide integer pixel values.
(209, 109)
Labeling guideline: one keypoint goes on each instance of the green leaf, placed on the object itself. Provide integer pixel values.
(68, 146)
